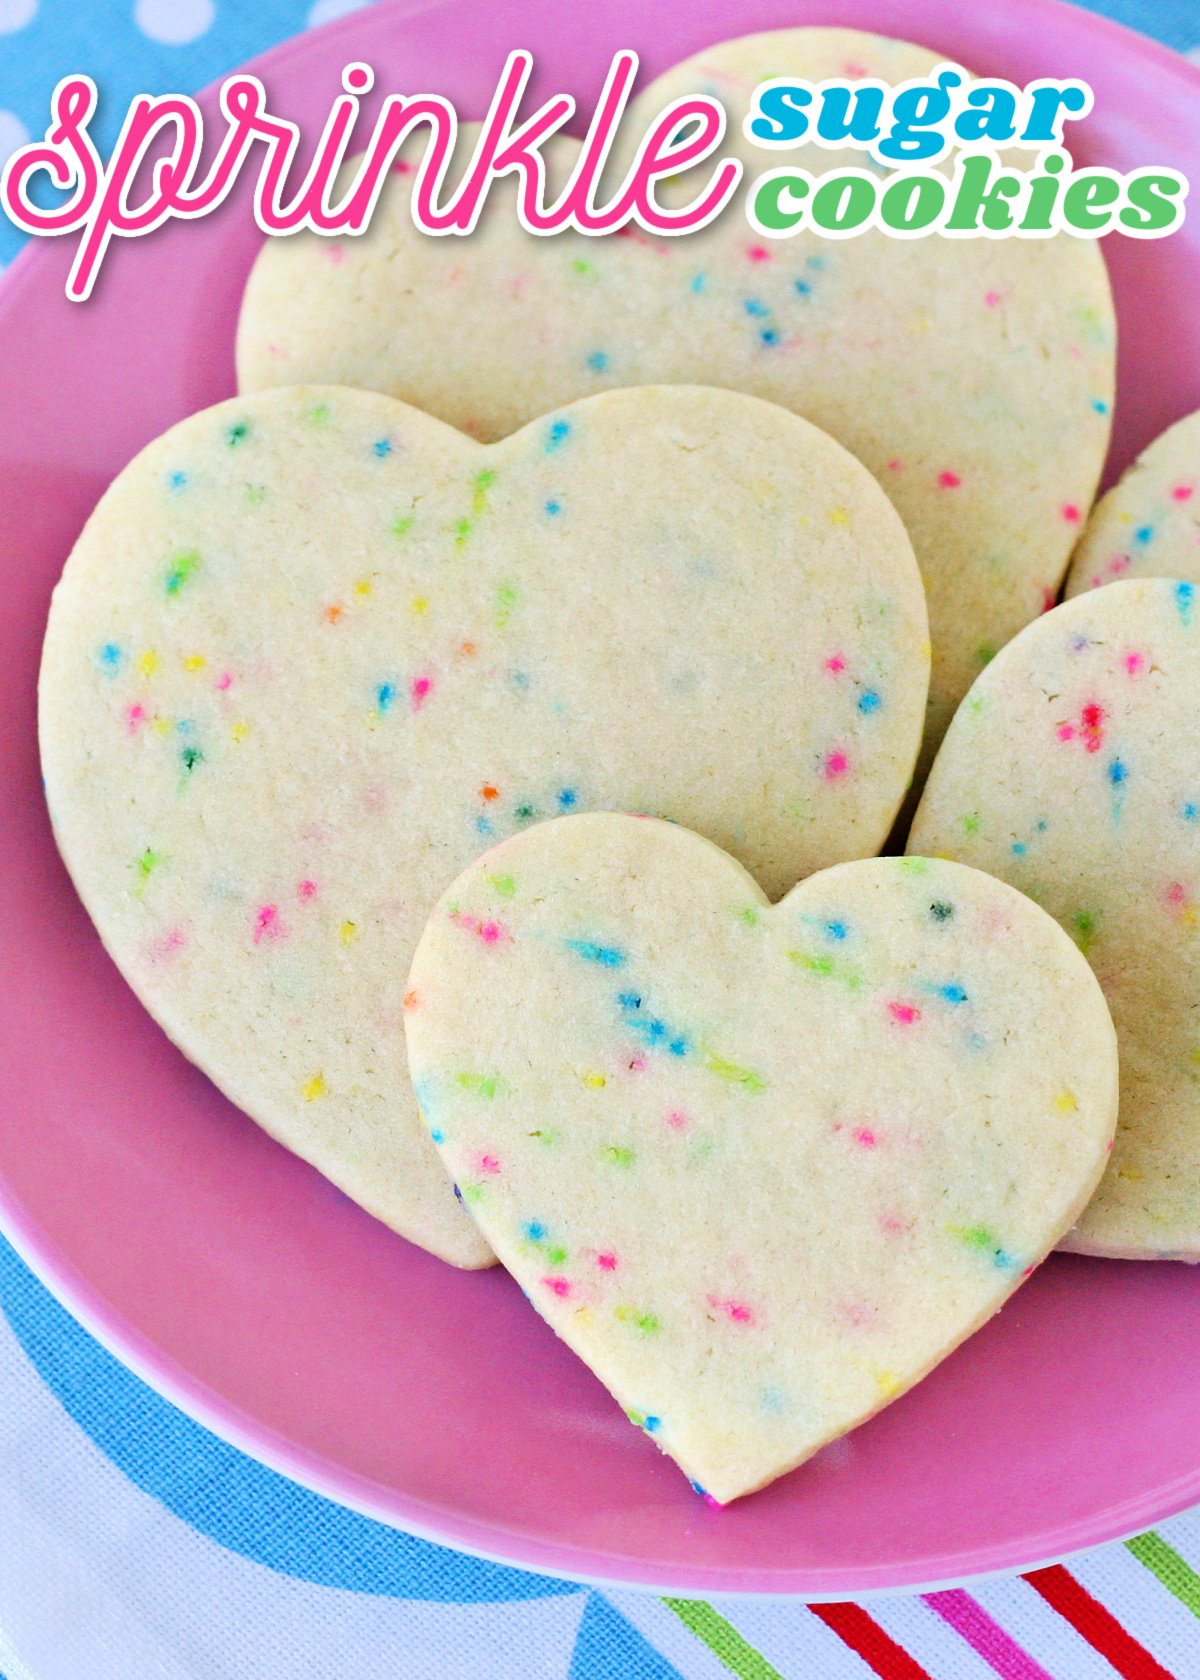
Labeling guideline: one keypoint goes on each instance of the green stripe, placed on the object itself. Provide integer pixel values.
(722, 1639)
(1166, 1565)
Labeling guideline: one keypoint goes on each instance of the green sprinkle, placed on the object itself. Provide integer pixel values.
(814, 964)
(985, 654)
(616, 1155)
(582, 266)
(507, 596)
(483, 483)
(462, 530)
(181, 569)
(191, 756)
(1083, 929)
(556, 1256)
(544, 1134)
(915, 865)
(479, 1084)
(148, 863)
(505, 885)
(971, 823)
(237, 433)
(646, 1322)
(472, 1192)
(402, 525)
(733, 1074)
(319, 414)
(974, 1236)
(749, 917)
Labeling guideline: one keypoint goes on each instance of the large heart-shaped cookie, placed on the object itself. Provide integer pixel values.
(315, 650)
(974, 377)
(1073, 770)
(761, 1168)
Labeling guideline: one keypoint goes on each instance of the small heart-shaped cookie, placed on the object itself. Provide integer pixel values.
(761, 1168)
(1073, 770)
(973, 377)
(315, 650)
(1148, 525)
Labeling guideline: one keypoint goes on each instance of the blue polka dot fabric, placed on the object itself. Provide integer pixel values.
(136, 1546)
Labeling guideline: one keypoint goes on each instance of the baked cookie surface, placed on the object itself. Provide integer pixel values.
(1148, 525)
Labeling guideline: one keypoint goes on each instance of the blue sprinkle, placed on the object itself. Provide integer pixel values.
(754, 306)
(869, 701)
(177, 480)
(597, 361)
(437, 1136)
(458, 1193)
(1019, 848)
(1041, 825)
(836, 930)
(1004, 1262)
(1117, 772)
(553, 508)
(803, 287)
(629, 1000)
(699, 282)
(384, 695)
(768, 336)
(1099, 404)
(519, 679)
(952, 993)
(186, 726)
(557, 435)
(608, 956)
(483, 826)
(567, 797)
(816, 262)
(533, 1229)
(678, 1047)
(696, 1488)
(383, 448)
(1190, 812)
(1143, 533)
(651, 1424)
(110, 656)
(1184, 595)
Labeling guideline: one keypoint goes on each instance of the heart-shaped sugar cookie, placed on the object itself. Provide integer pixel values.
(1073, 770)
(1148, 525)
(973, 377)
(315, 650)
(760, 1167)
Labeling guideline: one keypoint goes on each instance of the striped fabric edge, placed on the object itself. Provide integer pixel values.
(862, 1634)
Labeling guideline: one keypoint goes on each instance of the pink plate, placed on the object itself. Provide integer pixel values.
(257, 1297)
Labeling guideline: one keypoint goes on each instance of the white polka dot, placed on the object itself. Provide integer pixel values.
(15, 14)
(324, 11)
(13, 133)
(173, 22)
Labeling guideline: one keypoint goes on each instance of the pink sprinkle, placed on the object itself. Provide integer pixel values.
(991, 299)
(835, 663)
(606, 1262)
(1118, 564)
(736, 1311)
(267, 924)
(306, 890)
(422, 688)
(864, 1136)
(677, 1121)
(491, 933)
(559, 1286)
(335, 254)
(949, 480)
(1065, 731)
(402, 168)
(489, 1164)
(639, 1064)
(1049, 598)
(1182, 492)
(896, 466)
(1134, 662)
(167, 944)
(135, 716)
(836, 764)
(1070, 513)
(758, 253)
(223, 681)
(1176, 893)
(892, 1223)
(904, 1013)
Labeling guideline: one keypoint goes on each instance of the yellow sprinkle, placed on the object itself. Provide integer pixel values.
(1065, 1103)
(348, 933)
(839, 516)
(583, 1316)
(314, 1087)
(194, 662)
(162, 726)
(887, 1382)
(1131, 1175)
(1196, 1055)
(594, 1081)
(419, 604)
(239, 731)
(919, 323)
(148, 663)
(363, 586)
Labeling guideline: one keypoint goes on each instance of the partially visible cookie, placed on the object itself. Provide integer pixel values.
(1073, 770)
(973, 377)
(760, 1167)
(1148, 525)
(315, 650)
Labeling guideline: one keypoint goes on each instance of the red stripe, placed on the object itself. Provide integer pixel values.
(868, 1640)
(1096, 1624)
